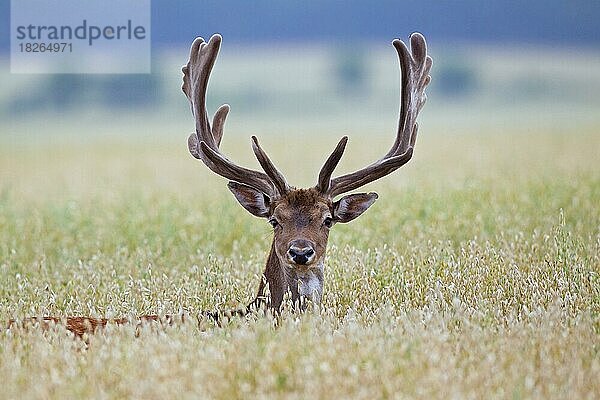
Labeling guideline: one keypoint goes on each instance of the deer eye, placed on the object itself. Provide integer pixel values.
(273, 222)
(328, 222)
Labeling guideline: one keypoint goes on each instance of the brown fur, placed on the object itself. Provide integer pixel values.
(82, 325)
(303, 199)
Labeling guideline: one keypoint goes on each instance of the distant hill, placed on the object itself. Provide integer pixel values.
(573, 22)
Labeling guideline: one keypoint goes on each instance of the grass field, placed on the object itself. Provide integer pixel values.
(475, 275)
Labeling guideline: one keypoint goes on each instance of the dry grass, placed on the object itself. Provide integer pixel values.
(476, 275)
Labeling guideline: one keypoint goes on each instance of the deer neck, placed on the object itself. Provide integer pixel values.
(279, 277)
(276, 279)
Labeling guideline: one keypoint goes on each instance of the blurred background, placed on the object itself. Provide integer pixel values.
(300, 66)
(295, 69)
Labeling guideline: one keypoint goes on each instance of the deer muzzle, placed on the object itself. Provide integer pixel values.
(301, 252)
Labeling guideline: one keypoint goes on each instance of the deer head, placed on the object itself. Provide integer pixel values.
(301, 218)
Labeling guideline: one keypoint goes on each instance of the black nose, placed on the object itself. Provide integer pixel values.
(301, 255)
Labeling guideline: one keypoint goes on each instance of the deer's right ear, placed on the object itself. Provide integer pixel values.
(256, 202)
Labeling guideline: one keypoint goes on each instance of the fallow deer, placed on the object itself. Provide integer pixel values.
(301, 218)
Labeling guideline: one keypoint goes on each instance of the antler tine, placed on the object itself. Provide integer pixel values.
(414, 67)
(204, 143)
(329, 166)
(195, 82)
(219, 123)
(273, 173)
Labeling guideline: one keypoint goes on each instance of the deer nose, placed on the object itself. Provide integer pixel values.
(301, 255)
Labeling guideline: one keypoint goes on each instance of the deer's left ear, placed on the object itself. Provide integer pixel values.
(349, 207)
